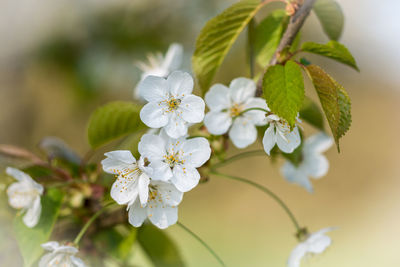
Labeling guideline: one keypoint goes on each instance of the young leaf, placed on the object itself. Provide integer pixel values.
(160, 249)
(113, 121)
(218, 36)
(30, 239)
(268, 34)
(331, 17)
(284, 90)
(334, 100)
(311, 113)
(333, 50)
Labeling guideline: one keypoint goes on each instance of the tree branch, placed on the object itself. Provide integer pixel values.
(295, 23)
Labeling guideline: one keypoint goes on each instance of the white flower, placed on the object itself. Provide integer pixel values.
(226, 104)
(132, 177)
(315, 243)
(279, 133)
(171, 104)
(161, 66)
(161, 208)
(60, 256)
(175, 159)
(313, 164)
(25, 194)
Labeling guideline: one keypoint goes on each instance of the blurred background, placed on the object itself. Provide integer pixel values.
(59, 60)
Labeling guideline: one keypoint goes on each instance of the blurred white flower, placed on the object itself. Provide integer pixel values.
(313, 164)
(278, 132)
(132, 176)
(25, 194)
(225, 106)
(175, 160)
(60, 256)
(315, 243)
(161, 208)
(171, 103)
(160, 66)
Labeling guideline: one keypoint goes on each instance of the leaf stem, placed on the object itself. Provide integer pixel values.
(250, 109)
(265, 190)
(202, 242)
(258, 152)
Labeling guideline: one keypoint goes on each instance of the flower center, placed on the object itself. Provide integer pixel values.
(173, 103)
(172, 159)
(235, 110)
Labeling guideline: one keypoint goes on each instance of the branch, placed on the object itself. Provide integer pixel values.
(295, 23)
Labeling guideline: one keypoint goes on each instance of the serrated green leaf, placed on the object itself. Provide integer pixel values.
(333, 50)
(30, 239)
(159, 247)
(334, 100)
(284, 90)
(268, 35)
(218, 36)
(331, 17)
(113, 121)
(311, 113)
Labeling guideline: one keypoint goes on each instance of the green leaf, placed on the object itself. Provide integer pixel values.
(30, 239)
(334, 100)
(331, 17)
(311, 113)
(268, 35)
(333, 50)
(157, 245)
(113, 121)
(284, 90)
(218, 36)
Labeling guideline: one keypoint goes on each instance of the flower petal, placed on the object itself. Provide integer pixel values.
(163, 216)
(269, 139)
(242, 89)
(137, 214)
(185, 178)
(243, 133)
(176, 127)
(292, 140)
(143, 188)
(318, 143)
(32, 215)
(173, 57)
(196, 151)
(125, 190)
(296, 175)
(18, 175)
(50, 246)
(315, 165)
(161, 171)
(152, 146)
(153, 115)
(296, 255)
(218, 97)
(77, 262)
(256, 116)
(21, 194)
(192, 108)
(180, 83)
(117, 160)
(217, 122)
(153, 88)
(168, 193)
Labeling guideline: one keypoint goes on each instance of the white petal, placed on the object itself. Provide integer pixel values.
(218, 97)
(153, 89)
(185, 179)
(242, 89)
(176, 127)
(117, 160)
(318, 143)
(163, 216)
(50, 246)
(161, 171)
(180, 83)
(137, 214)
(66, 250)
(192, 108)
(45, 260)
(290, 142)
(296, 255)
(296, 175)
(173, 57)
(32, 215)
(152, 146)
(316, 165)
(153, 115)
(217, 122)
(18, 175)
(125, 190)
(256, 116)
(269, 139)
(21, 194)
(318, 245)
(168, 193)
(243, 133)
(143, 188)
(196, 151)
(77, 262)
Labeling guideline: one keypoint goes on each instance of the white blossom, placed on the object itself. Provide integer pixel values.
(159, 65)
(175, 160)
(279, 133)
(226, 105)
(313, 164)
(315, 243)
(60, 256)
(132, 177)
(25, 194)
(161, 208)
(172, 105)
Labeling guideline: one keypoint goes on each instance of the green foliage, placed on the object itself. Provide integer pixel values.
(284, 90)
(334, 100)
(113, 121)
(311, 113)
(333, 50)
(161, 250)
(331, 17)
(268, 34)
(30, 239)
(218, 36)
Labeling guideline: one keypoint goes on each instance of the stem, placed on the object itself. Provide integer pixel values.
(250, 45)
(88, 223)
(203, 243)
(265, 190)
(246, 154)
(250, 109)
